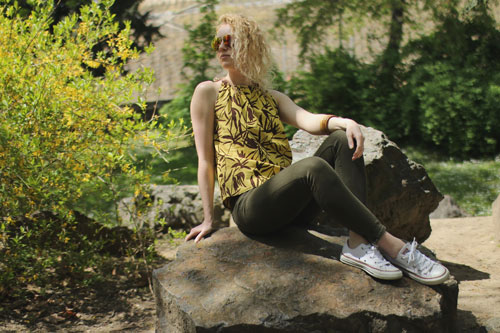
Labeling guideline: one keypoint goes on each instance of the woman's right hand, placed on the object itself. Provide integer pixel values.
(200, 231)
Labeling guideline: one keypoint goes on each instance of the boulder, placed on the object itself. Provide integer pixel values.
(230, 282)
(447, 208)
(399, 191)
(178, 206)
(495, 210)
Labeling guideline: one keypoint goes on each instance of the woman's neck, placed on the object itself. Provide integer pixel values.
(236, 78)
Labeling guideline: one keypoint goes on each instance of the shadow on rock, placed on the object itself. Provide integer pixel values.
(467, 323)
(302, 240)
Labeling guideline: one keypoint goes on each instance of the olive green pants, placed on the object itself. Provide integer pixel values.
(328, 181)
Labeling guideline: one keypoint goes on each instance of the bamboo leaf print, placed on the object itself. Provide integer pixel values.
(249, 139)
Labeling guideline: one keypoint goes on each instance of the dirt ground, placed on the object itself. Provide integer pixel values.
(122, 304)
(469, 247)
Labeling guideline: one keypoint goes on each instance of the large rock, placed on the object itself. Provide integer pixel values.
(178, 206)
(399, 191)
(291, 283)
(447, 208)
(495, 209)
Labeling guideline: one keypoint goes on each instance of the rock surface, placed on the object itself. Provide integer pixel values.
(399, 191)
(495, 209)
(179, 206)
(447, 208)
(232, 283)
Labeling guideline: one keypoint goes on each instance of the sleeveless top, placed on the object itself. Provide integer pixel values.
(249, 139)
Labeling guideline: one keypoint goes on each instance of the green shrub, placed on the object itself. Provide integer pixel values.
(340, 84)
(453, 86)
(63, 130)
(443, 90)
(333, 84)
(456, 109)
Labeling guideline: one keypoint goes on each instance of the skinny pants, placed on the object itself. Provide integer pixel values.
(328, 181)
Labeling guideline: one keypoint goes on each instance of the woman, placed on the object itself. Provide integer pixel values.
(239, 136)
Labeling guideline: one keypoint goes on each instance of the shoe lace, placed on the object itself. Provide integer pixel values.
(419, 260)
(375, 254)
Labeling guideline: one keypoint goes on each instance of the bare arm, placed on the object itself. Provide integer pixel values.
(202, 117)
(296, 116)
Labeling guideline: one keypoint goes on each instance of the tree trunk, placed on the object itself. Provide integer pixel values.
(391, 56)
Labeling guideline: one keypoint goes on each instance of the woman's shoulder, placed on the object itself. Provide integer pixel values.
(207, 90)
(277, 95)
(207, 87)
(274, 93)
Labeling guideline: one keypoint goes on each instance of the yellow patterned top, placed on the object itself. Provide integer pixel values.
(249, 139)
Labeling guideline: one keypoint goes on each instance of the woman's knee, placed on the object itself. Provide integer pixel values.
(315, 165)
(317, 170)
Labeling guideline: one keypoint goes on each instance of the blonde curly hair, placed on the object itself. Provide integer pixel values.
(251, 53)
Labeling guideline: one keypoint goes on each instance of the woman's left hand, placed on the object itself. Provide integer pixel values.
(355, 136)
(292, 114)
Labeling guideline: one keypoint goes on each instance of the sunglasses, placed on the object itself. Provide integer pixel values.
(218, 40)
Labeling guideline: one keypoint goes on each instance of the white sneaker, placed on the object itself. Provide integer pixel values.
(418, 266)
(368, 258)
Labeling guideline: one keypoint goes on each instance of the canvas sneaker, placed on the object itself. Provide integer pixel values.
(368, 258)
(420, 267)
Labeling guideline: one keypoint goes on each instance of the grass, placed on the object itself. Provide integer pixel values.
(473, 184)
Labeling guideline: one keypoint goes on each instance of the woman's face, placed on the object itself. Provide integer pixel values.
(224, 52)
